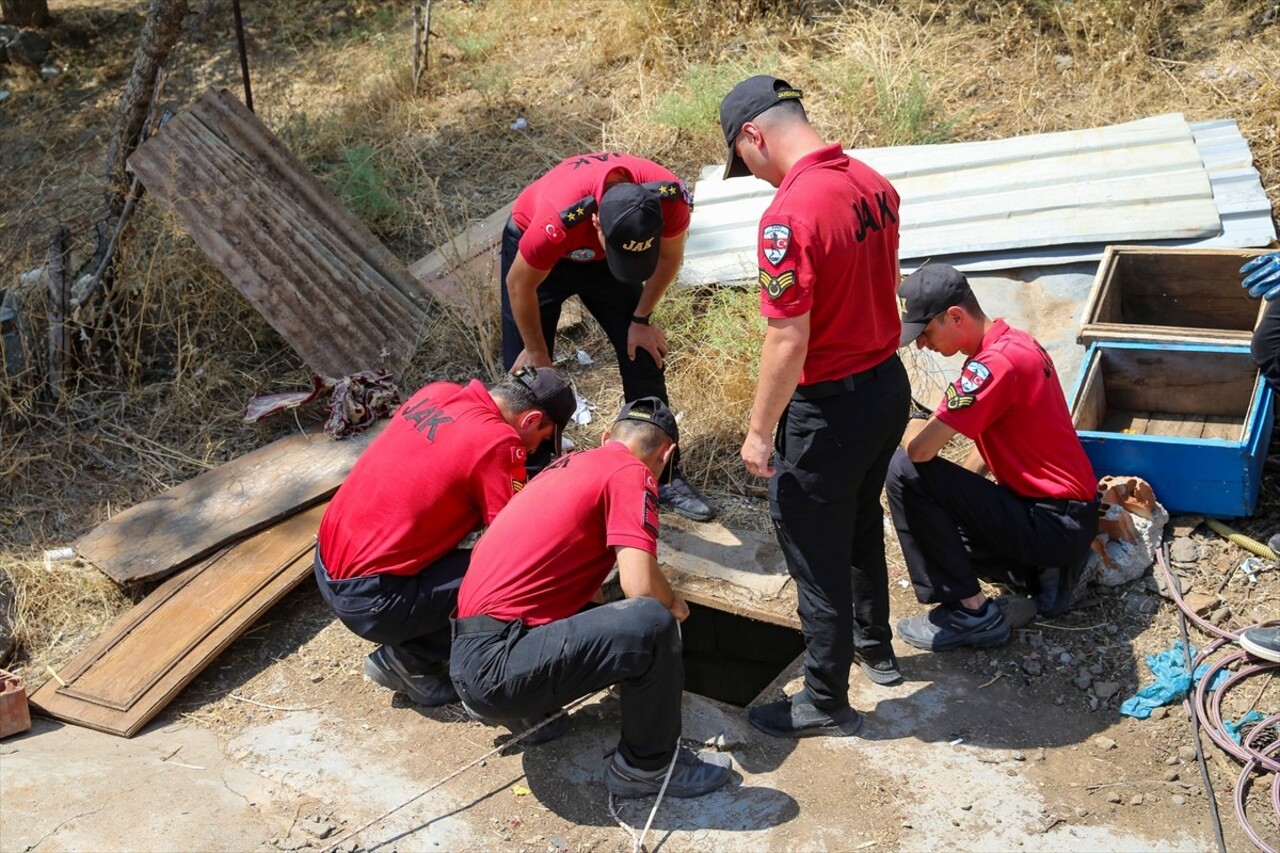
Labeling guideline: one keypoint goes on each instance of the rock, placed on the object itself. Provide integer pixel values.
(1159, 713)
(1018, 755)
(966, 807)
(1032, 667)
(1062, 62)
(1136, 800)
(1059, 700)
(971, 91)
(1184, 550)
(1097, 667)
(1141, 604)
(317, 828)
(1093, 703)
(1104, 742)
(1083, 680)
(1178, 800)
(1065, 658)
(1183, 525)
(1201, 603)
(29, 48)
(1220, 615)
(291, 843)
(1056, 651)
(1187, 753)
(1106, 689)
(1081, 811)
(557, 844)
(5, 94)
(1171, 775)
(1157, 583)
(1113, 797)
(1018, 609)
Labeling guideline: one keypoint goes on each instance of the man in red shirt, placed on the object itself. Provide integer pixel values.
(388, 560)
(1031, 529)
(524, 646)
(832, 385)
(609, 228)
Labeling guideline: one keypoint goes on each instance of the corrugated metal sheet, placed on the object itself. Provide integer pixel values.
(1008, 203)
(317, 274)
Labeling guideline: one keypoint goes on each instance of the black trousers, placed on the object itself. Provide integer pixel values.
(1266, 344)
(505, 671)
(956, 526)
(610, 301)
(407, 614)
(831, 453)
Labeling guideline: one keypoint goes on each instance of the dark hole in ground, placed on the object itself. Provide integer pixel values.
(732, 658)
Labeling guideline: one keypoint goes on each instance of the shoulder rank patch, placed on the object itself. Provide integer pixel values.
(578, 212)
(956, 400)
(516, 485)
(776, 285)
(774, 242)
(669, 190)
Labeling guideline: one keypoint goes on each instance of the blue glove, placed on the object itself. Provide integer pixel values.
(1262, 276)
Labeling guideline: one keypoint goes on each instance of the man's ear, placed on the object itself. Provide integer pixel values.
(531, 419)
(605, 436)
(666, 454)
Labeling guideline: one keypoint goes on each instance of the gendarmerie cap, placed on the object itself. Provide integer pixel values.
(553, 395)
(631, 219)
(926, 293)
(651, 410)
(744, 102)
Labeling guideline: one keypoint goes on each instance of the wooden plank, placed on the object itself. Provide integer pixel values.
(1177, 381)
(131, 672)
(314, 270)
(1091, 332)
(1225, 427)
(196, 518)
(463, 274)
(1089, 406)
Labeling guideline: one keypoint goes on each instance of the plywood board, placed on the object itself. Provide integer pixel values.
(463, 273)
(310, 267)
(131, 672)
(194, 519)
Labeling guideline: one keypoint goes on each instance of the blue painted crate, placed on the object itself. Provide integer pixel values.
(1193, 420)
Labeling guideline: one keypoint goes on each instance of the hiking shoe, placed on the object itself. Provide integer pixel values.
(430, 690)
(879, 668)
(550, 731)
(949, 626)
(796, 716)
(695, 774)
(685, 500)
(1274, 543)
(1262, 643)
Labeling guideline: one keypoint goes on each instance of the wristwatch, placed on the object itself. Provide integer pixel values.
(643, 321)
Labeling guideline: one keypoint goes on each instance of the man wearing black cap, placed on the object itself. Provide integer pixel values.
(1031, 529)
(388, 560)
(524, 646)
(609, 228)
(831, 383)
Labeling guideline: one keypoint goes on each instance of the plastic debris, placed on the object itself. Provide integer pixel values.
(1233, 728)
(1172, 681)
(584, 359)
(519, 123)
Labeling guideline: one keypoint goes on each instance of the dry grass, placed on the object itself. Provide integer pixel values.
(332, 79)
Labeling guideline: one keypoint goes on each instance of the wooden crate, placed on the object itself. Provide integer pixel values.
(1193, 420)
(1187, 295)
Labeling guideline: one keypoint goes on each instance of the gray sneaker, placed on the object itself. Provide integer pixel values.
(681, 496)
(695, 774)
(949, 627)
(431, 690)
(1262, 643)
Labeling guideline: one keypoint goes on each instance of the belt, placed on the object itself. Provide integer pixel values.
(1064, 505)
(832, 387)
(478, 625)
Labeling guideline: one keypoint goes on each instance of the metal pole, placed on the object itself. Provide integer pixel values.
(244, 56)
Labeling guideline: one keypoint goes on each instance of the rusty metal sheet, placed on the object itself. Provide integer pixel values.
(318, 275)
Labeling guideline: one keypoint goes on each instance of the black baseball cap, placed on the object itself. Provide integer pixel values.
(631, 219)
(651, 410)
(744, 102)
(926, 293)
(553, 395)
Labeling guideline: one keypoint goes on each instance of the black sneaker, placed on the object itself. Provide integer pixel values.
(795, 716)
(549, 732)
(431, 690)
(695, 774)
(949, 627)
(685, 500)
(879, 668)
(1262, 643)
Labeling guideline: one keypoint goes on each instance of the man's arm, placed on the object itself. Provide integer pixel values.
(640, 576)
(522, 290)
(652, 337)
(786, 343)
(924, 442)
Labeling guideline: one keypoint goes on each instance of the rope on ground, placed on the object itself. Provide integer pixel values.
(458, 772)
(637, 839)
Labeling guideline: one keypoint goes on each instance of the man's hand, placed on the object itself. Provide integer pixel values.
(531, 358)
(756, 452)
(650, 338)
(679, 608)
(1262, 276)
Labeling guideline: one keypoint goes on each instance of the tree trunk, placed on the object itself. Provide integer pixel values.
(25, 13)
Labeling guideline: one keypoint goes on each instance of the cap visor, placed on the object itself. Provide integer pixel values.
(910, 331)
(633, 267)
(735, 166)
(556, 444)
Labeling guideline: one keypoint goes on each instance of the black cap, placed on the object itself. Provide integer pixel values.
(651, 410)
(926, 293)
(744, 102)
(631, 219)
(553, 395)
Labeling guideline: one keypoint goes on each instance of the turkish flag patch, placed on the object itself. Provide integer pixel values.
(553, 229)
(518, 455)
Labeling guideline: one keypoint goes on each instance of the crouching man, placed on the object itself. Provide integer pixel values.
(1031, 529)
(387, 557)
(523, 646)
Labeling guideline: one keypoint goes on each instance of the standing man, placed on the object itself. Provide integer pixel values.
(388, 560)
(1032, 528)
(832, 384)
(609, 228)
(523, 644)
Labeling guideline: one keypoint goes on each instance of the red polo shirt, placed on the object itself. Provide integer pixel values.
(828, 245)
(548, 552)
(444, 465)
(554, 212)
(1009, 401)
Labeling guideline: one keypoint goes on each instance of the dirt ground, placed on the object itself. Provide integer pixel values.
(282, 744)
